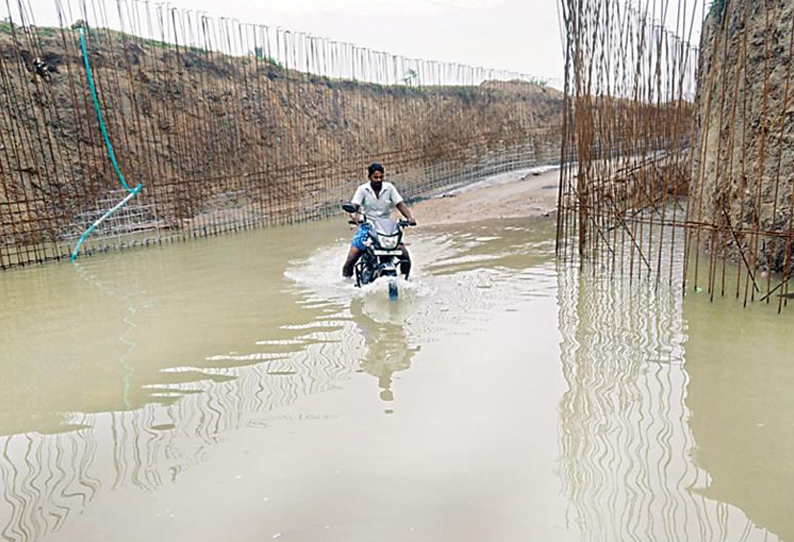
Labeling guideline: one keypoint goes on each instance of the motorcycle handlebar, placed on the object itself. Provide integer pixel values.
(402, 223)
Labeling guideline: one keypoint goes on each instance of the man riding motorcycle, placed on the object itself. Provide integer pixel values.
(376, 199)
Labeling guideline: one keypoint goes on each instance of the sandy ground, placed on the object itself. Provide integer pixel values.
(511, 195)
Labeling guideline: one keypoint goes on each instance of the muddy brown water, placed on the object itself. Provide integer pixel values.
(235, 389)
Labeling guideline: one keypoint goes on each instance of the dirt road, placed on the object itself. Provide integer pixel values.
(503, 196)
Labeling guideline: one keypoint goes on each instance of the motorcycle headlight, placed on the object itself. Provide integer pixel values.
(388, 243)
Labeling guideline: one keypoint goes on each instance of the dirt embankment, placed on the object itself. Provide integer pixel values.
(743, 152)
(202, 131)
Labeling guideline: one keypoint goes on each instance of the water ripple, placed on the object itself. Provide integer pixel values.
(626, 446)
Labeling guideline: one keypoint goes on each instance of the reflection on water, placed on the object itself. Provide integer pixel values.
(741, 377)
(122, 371)
(386, 346)
(630, 460)
(125, 371)
(45, 478)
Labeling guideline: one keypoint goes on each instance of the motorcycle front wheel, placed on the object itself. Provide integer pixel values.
(363, 276)
(393, 291)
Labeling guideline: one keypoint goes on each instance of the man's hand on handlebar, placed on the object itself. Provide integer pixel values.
(355, 219)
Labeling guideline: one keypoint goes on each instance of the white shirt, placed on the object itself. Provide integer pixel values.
(380, 206)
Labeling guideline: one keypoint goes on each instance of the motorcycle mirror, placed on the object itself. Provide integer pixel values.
(349, 207)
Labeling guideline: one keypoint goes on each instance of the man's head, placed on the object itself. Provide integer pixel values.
(375, 173)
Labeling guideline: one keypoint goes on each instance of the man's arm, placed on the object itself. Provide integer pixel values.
(358, 199)
(356, 216)
(406, 212)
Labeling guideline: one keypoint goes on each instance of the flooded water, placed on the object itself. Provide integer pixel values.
(236, 388)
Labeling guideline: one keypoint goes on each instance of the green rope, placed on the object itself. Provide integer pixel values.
(109, 147)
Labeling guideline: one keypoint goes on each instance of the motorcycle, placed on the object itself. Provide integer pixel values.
(382, 255)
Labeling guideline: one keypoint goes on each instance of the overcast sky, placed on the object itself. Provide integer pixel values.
(516, 35)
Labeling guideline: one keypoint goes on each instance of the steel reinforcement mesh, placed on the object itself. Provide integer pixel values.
(676, 152)
(228, 125)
